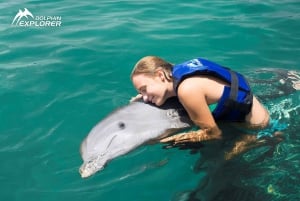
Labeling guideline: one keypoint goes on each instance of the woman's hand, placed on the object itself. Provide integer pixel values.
(193, 136)
(136, 98)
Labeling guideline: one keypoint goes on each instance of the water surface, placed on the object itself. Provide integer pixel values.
(57, 82)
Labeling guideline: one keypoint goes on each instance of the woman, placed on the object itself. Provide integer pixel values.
(208, 92)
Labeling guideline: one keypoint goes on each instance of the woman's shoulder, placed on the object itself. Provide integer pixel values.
(201, 86)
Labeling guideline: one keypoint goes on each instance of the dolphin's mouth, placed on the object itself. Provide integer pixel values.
(83, 173)
(86, 170)
(91, 167)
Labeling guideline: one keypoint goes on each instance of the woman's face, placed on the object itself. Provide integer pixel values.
(152, 88)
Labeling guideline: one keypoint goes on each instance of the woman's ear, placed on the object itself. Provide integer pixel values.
(160, 73)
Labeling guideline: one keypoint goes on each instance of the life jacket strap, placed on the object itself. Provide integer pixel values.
(231, 103)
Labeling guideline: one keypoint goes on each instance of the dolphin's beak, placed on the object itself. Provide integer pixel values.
(84, 173)
(86, 170)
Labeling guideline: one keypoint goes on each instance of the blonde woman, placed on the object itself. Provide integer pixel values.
(208, 91)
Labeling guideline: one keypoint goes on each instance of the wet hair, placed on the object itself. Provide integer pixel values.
(150, 64)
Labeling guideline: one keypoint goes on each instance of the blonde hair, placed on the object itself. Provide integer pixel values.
(150, 64)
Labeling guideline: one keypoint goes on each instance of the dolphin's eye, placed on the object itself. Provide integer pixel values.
(121, 125)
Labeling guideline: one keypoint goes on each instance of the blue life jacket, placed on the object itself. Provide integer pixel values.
(236, 100)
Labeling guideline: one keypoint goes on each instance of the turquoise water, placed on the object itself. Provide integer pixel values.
(57, 82)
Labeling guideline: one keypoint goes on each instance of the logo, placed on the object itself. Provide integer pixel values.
(27, 19)
(194, 63)
(22, 14)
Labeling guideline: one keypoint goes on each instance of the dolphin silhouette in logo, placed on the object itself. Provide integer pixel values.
(22, 14)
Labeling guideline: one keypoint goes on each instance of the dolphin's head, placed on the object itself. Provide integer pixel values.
(115, 135)
(125, 129)
(96, 153)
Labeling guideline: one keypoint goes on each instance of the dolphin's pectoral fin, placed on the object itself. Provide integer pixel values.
(247, 142)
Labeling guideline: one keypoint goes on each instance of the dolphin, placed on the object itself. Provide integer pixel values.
(127, 128)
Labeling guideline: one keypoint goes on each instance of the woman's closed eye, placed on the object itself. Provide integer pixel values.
(143, 90)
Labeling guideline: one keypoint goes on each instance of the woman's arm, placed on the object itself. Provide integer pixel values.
(192, 95)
